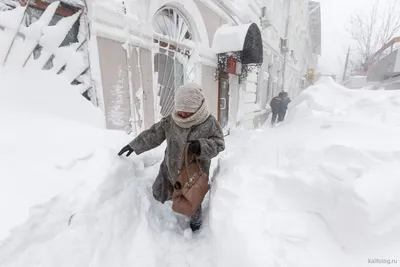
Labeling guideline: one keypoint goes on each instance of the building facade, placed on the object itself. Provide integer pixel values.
(138, 52)
(383, 70)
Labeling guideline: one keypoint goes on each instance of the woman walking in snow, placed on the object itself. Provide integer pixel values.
(191, 123)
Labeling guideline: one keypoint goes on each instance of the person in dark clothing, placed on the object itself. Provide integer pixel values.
(275, 104)
(279, 105)
(285, 103)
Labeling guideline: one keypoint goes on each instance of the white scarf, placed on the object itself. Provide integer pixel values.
(197, 118)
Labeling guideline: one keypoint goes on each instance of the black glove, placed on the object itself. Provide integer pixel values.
(126, 148)
(194, 147)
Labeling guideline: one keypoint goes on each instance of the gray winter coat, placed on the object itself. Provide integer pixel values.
(209, 134)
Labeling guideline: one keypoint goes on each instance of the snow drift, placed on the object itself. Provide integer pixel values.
(44, 94)
(320, 190)
(48, 129)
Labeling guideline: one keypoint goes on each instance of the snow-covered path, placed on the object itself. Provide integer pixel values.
(120, 225)
(320, 190)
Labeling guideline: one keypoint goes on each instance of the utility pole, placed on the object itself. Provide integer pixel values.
(286, 52)
(346, 65)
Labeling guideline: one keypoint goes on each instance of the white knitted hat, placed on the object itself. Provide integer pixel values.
(189, 98)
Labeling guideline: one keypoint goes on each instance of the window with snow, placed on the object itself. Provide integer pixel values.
(63, 48)
(36, 9)
(173, 62)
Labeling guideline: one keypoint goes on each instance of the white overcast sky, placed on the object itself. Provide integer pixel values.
(336, 15)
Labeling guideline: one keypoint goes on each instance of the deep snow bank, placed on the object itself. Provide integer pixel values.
(67, 199)
(51, 140)
(321, 190)
(318, 191)
(328, 98)
(44, 94)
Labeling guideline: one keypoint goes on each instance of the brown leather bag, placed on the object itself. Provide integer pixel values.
(191, 186)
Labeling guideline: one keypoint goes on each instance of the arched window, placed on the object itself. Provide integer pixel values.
(173, 63)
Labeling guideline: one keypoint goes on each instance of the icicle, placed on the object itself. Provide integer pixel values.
(139, 95)
(115, 114)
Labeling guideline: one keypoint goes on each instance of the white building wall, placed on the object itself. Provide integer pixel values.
(300, 56)
(252, 96)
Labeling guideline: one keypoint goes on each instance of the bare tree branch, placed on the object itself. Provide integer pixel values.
(373, 31)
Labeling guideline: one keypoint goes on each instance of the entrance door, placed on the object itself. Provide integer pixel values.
(223, 96)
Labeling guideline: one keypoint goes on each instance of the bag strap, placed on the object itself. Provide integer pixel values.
(186, 151)
(182, 165)
(185, 157)
(185, 160)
